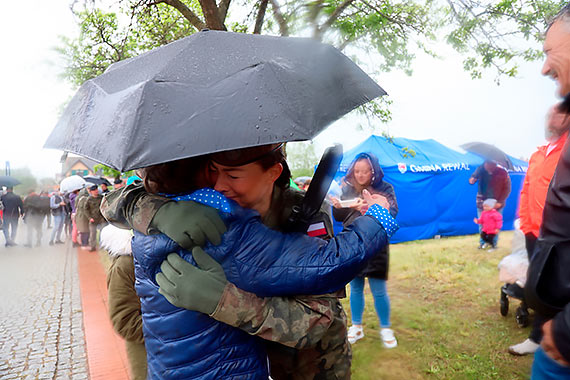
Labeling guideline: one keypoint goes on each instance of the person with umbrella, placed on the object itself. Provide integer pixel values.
(494, 183)
(251, 185)
(287, 89)
(13, 209)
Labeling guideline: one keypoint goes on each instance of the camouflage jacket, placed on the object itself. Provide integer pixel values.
(306, 335)
(92, 205)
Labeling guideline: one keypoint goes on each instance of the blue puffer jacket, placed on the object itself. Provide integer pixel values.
(256, 259)
(183, 344)
(271, 263)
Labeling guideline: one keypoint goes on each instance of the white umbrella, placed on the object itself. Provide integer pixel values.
(72, 183)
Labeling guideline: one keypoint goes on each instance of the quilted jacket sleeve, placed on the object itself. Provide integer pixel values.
(270, 263)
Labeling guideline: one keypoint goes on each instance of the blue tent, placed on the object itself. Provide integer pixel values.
(432, 188)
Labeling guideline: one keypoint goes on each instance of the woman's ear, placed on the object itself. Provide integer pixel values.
(275, 171)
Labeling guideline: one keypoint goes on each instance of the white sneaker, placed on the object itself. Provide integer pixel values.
(355, 333)
(525, 348)
(388, 338)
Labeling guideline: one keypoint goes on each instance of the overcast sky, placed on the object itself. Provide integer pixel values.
(439, 101)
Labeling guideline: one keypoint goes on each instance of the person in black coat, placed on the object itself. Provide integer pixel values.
(365, 174)
(13, 209)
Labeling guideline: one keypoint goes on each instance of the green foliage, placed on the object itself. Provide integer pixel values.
(110, 172)
(490, 32)
(405, 151)
(487, 32)
(109, 37)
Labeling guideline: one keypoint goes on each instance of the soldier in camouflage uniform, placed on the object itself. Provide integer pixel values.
(307, 337)
(306, 334)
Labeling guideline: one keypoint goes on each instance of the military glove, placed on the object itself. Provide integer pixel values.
(190, 287)
(189, 223)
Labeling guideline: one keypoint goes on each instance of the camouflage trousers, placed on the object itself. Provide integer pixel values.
(329, 359)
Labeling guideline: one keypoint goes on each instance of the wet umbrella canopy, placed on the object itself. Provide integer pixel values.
(489, 152)
(210, 92)
(97, 180)
(71, 183)
(6, 180)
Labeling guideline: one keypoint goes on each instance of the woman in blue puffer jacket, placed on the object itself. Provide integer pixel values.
(186, 344)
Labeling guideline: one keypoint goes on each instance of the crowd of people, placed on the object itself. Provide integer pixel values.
(73, 215)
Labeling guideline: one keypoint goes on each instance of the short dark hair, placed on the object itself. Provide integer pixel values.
(277, 156)
(173, 177)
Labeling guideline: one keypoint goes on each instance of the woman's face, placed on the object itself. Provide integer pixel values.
(249, 185)
(362, 172)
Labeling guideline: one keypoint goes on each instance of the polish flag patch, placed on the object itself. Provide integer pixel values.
(317, 229)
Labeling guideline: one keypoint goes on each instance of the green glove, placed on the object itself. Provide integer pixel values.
(190, 287)
(189, 223)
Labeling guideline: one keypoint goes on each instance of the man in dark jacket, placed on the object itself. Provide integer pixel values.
(13, 209)
(548, 285)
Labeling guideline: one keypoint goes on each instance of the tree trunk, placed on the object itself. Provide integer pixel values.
(260, 16)
(211, 14)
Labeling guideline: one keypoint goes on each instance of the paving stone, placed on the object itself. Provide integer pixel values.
(40, 318)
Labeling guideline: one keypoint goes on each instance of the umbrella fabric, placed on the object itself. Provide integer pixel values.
(210, 92)
(8, 181)
(71, 183)
(97, 180)
(489, 152)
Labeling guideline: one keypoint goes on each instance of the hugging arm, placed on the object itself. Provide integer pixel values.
(270, 263)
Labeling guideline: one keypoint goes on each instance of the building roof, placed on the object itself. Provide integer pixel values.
(72, 161)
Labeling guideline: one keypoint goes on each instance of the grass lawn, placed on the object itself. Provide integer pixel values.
(445, 312)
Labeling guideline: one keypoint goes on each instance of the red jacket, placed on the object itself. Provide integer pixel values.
(541, 168)
(491, 221)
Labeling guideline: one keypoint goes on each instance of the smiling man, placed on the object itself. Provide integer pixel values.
(548, 284)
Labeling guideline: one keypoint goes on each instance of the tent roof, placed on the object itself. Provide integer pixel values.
(392, 151)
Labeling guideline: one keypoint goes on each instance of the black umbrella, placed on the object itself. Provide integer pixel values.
(96, 180)
(8, 181)
(210, 92)
(489, 152)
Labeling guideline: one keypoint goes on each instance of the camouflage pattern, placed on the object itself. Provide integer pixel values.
(307, 335)
(92, 206)
(81, 219)
(132, 207)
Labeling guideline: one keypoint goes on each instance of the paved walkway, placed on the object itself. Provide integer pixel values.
(43, 334)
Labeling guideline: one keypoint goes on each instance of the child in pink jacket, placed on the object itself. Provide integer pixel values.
(491, 222)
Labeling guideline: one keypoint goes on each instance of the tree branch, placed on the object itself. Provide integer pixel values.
(260, 16)
(185, 11)
(283, 28)
(223, 10)
(318, 32)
